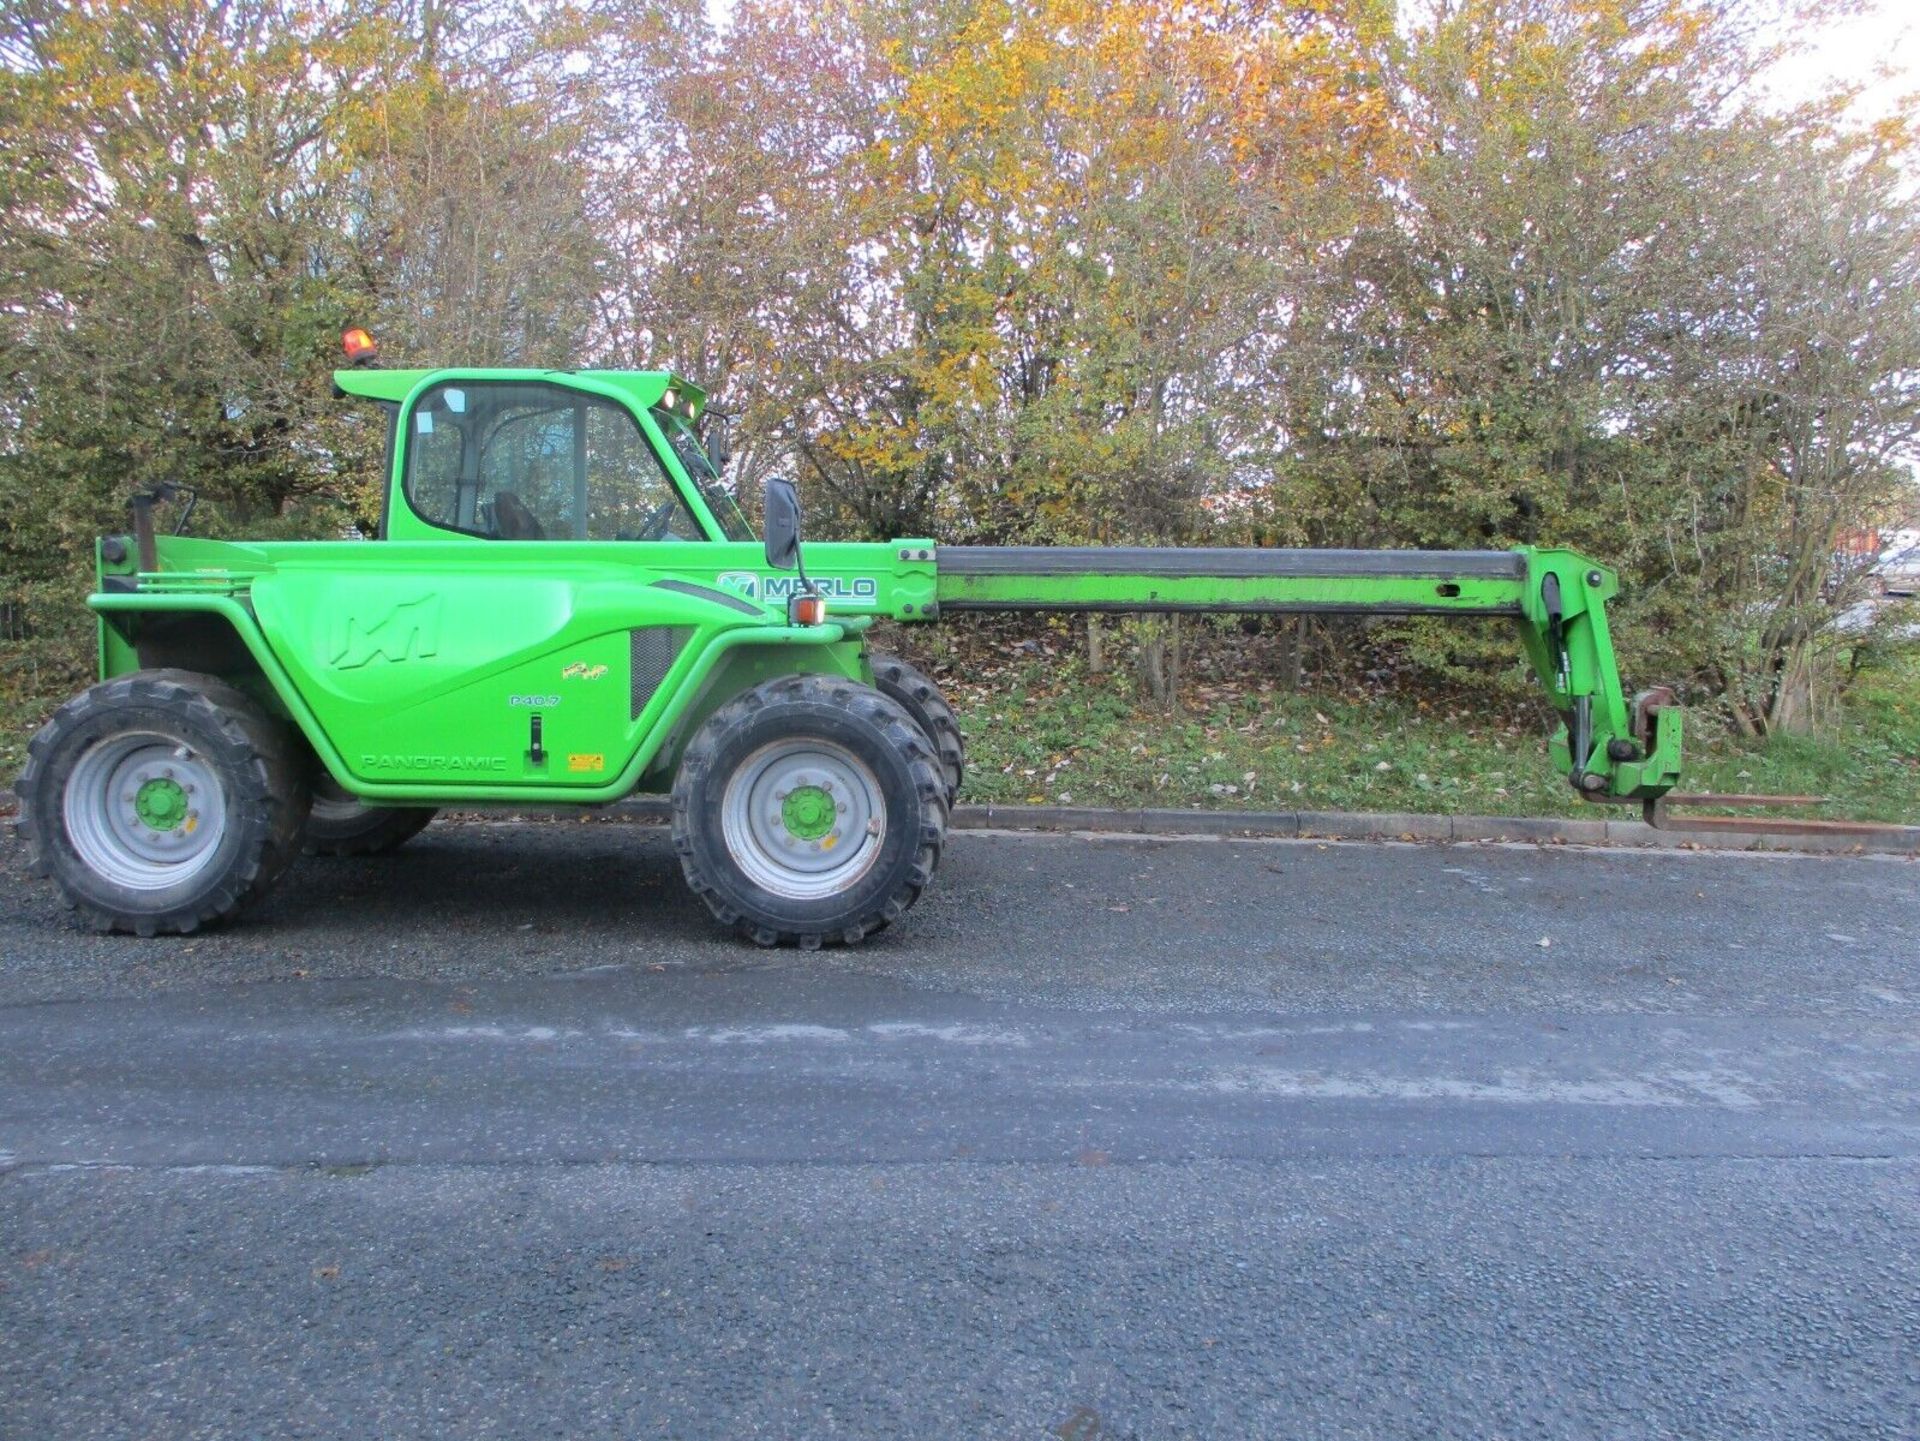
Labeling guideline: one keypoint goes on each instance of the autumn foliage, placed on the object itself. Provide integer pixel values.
(1473, 273)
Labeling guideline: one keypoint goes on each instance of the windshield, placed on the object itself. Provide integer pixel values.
(685, 441)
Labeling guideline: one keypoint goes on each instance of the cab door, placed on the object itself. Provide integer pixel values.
(497, 652)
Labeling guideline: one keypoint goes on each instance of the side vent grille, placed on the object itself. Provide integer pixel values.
(653, 650)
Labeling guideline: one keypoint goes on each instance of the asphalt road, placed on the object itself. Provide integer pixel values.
(1123, 1138)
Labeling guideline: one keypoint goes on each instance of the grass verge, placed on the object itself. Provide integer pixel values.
(1042, 730)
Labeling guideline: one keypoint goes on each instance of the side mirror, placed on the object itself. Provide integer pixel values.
(782, 512)
(719, 443)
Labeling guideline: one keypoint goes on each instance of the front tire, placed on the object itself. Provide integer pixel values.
(809, 810)
(162, 801)
(341, 824)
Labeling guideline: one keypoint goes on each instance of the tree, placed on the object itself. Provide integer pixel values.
(196, 198)
(1587, 320)
(1789, 404)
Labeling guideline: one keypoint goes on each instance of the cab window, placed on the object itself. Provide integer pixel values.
(529, 461)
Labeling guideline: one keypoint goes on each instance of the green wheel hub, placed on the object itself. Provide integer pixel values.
(161, 804)
(807, 812)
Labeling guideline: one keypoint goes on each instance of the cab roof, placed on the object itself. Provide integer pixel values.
(644, 387)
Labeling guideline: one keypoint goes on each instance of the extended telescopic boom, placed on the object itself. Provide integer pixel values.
(1610, 748)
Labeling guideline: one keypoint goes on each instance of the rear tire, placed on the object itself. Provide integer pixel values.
(921, 699)
(341, 824)
(809, 810)
(162, 801)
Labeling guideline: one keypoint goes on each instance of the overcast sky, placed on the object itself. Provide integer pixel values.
(1885, 38)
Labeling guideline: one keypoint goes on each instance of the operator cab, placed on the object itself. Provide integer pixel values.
(527, 455)
(512, 460)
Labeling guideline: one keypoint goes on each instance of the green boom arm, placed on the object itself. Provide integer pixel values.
(1609, 749)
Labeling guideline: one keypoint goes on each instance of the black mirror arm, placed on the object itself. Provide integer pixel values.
(140, 508)
(718, 444)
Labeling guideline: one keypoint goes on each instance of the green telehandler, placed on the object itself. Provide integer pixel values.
(565, 605)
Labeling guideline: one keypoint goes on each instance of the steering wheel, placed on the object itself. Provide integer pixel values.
(512, 520)
(657, 521)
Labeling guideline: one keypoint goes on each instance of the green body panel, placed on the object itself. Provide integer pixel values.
(438, 666)
(415, 669)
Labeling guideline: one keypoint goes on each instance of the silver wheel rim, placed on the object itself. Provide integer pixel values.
(803, 862)
(144, 811)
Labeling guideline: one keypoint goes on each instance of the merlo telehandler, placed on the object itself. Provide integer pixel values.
(566, 606)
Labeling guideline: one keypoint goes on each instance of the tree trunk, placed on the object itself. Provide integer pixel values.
(1744, 719)
(1794, 707)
